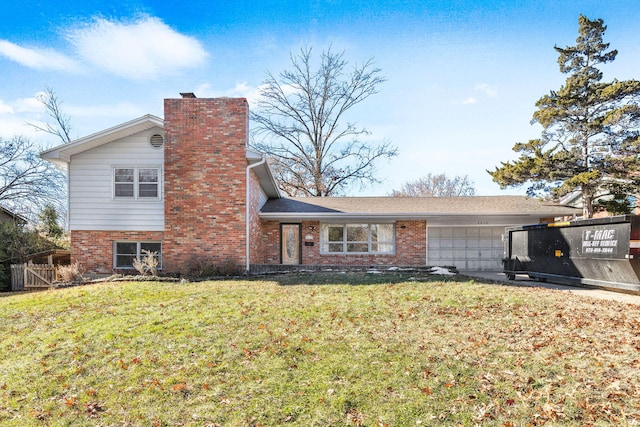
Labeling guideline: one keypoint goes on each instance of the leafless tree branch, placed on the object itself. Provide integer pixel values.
(300, 122)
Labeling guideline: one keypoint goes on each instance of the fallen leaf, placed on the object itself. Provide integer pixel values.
(180, 387)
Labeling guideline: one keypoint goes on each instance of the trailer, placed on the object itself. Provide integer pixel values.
(602, 252)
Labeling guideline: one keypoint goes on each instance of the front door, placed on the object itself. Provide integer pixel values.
(290, 243)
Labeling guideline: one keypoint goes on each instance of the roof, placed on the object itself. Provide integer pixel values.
(411, 207)
(16, 217)
(61, 154)
(58, 256)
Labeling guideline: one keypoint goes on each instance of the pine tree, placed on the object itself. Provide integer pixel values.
(48, 223)
(590, 140)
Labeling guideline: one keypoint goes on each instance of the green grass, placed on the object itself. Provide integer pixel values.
(317, 350)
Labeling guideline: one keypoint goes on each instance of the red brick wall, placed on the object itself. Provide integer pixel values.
(204, 180)
(94, 249)
(270, 250)
(411, 246)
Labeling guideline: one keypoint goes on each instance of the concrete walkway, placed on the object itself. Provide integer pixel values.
(524, 280)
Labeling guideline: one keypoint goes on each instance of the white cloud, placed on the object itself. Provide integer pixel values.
(490, 91)
(44, 59)
(240, 90)
(10, 128)
(245, 91)
(29, 105)
(15, 114)
(144, 48)
(4, 108)
(484, 88)
(13, 125)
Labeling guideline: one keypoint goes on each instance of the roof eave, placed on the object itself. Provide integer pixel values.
(62, 153)
(337, 216)
(264, 174)
(398, 216)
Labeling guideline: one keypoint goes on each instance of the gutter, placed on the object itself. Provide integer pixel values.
(339, 216)
(247, 211)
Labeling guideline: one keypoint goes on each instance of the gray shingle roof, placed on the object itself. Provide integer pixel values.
(415, 206)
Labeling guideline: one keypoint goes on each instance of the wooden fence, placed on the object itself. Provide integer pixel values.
(28, 277)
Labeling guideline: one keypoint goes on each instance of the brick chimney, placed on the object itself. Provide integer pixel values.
(204, 181)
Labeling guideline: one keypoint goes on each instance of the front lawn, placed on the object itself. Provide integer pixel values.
(347, 350)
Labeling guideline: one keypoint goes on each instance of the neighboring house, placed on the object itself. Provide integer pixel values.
(574, 199)
(7, 216)
(189, 189)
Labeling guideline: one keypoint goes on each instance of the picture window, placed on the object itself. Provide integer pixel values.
(357, 238)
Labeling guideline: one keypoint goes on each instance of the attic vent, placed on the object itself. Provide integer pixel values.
(156, 140)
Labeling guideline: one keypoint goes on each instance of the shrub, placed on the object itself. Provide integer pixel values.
(201, 267)
(148, 264)
(197, 266)
(228, 268)
(70, 273)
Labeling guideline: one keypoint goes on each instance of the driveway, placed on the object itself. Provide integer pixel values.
(524, 280)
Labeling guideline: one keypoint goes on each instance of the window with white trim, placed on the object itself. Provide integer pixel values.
(357, 238)
(136, 183)
(125, 252)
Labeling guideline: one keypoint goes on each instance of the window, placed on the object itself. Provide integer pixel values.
(136, 183)
(126, 252)
(357, 238)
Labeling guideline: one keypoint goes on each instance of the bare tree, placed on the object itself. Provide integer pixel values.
(437, 186)
(61, 126)
(56, 193)
(27, 182)
(300, 117)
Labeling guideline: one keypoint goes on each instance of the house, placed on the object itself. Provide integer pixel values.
(574, 199)
(8, 216)
(188, 189)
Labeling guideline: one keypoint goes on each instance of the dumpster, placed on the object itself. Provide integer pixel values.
(603, 252)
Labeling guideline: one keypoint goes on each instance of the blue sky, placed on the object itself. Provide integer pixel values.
(463, 76)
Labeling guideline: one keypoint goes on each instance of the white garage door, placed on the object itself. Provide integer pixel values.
(466, 248)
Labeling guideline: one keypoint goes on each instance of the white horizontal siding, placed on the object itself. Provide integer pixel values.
(262, 198)
(91, 202)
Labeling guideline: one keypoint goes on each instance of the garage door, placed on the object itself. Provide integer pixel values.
(466, 248)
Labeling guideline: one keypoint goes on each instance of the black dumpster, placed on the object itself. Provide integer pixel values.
(603, 252)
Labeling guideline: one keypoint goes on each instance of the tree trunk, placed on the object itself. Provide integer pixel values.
(587, 206)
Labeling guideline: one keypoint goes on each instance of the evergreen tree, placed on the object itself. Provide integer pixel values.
(18, 241)
(48, 223)
(590, 140)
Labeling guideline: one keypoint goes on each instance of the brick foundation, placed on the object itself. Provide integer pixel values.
(93, 250)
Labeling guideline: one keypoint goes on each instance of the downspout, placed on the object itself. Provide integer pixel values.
(248, 213)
